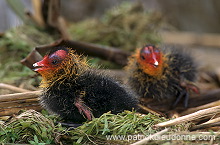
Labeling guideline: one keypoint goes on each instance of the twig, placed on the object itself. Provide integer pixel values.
(17, 96)
(146, 140)
(12, 88)
(204, 126)
(115, 55)
(32, 57)
(190, 110)
(190, 117)
(213, 120)
(146, 109)
(108, 53)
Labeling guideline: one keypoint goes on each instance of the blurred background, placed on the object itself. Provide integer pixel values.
(197, 15)
(124, 24)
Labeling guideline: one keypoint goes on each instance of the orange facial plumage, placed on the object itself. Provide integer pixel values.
(151, 60)
(161, 73)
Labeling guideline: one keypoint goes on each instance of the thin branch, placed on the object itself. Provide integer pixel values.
(213, 120)
(32, 57)
(115, 55)
(190, 117)
(204, 126)
(146, 109)
(12, 88)
(150, 137)
(112, 54)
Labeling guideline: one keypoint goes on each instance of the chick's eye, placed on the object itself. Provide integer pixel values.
(156, 51)
(55, 61)
(142, 57)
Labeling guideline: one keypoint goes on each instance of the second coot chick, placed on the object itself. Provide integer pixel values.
(162, 74)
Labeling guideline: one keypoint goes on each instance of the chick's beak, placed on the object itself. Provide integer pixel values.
(39, 66)
(155, 62)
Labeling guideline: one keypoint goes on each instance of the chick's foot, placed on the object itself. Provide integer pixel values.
(83, 109)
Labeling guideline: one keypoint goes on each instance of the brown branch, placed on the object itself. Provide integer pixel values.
(115, 55)
(12, 88)
(32, 57)
(19, 96)
(190, 117)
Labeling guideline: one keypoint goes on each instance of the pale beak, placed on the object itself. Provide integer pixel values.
(39, 66)
(156, 63)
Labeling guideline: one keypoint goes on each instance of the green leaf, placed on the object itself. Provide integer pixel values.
(80, 139)
(35, 139)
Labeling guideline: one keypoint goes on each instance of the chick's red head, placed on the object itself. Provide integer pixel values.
(51, 61)
(150, 60)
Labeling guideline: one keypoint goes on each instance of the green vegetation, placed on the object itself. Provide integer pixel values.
(28, 126)
(125, 123)
(15, 45)
(34, 127)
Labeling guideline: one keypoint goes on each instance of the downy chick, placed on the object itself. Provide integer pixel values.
(76, 92)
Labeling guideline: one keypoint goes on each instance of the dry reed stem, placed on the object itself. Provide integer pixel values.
(19, 96)
(12, 88)
(190, 117)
